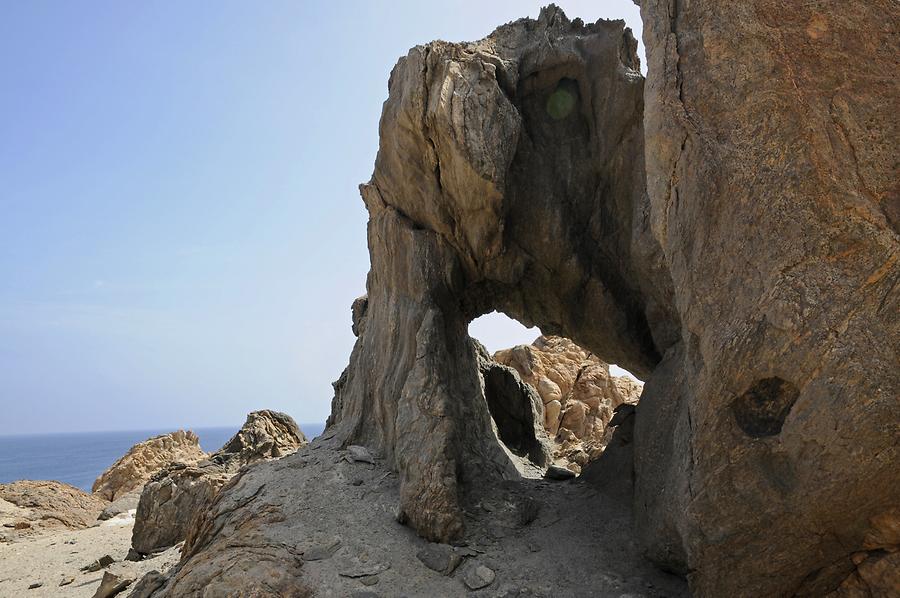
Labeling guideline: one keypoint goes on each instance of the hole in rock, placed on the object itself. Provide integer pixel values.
(762, 409)
(498, 331)
(550, 384)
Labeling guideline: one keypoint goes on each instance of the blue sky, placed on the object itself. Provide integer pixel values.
(180, 229)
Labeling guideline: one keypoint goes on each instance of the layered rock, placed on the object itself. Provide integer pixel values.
(265, 434)
(32, 505)
(577, 391)
(132, 470)
(176, 494)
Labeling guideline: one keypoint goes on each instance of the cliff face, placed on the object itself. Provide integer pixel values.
(771, 143)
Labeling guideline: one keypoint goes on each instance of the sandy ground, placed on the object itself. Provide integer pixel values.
(53, 556)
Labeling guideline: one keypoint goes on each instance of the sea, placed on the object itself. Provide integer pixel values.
(78, 458)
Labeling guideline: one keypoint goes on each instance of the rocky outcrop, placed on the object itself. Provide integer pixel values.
(577, 391)
(499, 159)
(265, 435)
(37, 505)
(169, 501)
(133, 469)
(176, 494)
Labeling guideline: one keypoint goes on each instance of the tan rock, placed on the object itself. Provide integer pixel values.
(578, 391)
(35, 505)
(144, 459)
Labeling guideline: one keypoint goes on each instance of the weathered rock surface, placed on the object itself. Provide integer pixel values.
(578, 393)
(300, 526)
(170, 500)
(265, 435)
(766, 449)
(132, 470)
(47, 504)
(174, 495)
(499, 159)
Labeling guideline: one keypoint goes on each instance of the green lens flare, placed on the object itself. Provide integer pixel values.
(560, 103)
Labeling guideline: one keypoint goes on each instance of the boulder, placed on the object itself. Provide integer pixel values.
(123, 504)
(169, 501)
(34, 505)
(132, 470)
(265, 435)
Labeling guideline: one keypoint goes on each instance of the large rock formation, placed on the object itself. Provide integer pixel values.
(31, 505)
(175, 495)
(751, 282)
(134, 468)
(577, 391)
(766, 442)
(748, 274)
(509, 177)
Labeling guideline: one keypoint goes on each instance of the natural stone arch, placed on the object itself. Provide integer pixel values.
(747, 270)
(509, 177)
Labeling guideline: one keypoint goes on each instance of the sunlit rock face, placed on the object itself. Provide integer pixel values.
(577, 391)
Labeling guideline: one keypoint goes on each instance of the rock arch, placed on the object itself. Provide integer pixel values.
(511, 175)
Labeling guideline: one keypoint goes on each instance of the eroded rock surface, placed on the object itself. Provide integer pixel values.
(577, 391)
(318, 523)
(766, 448)
(169, 501)
(176, 494)
(265, 434)
(132, 470)
(535, 128)
(35, 505)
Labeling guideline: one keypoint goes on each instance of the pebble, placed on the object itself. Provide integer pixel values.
(478, 577)
(35, 585)
(66, 581)
(555, 472)
(321, 552)
(439, 557)
(360, 454)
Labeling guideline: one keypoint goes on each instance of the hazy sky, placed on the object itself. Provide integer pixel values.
(181, 234)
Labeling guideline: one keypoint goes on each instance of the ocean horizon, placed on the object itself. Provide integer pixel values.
(78, 458)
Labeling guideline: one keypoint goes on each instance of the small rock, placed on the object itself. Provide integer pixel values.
(439, 557)
(369, 581)
(112, 584)
(478, 577)
(35, 585)
(360, 570)
(101, 563)
(360, 454)
(66, 581)
(555, 472)
(320, 552)
(22, 525)
(133, 555)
